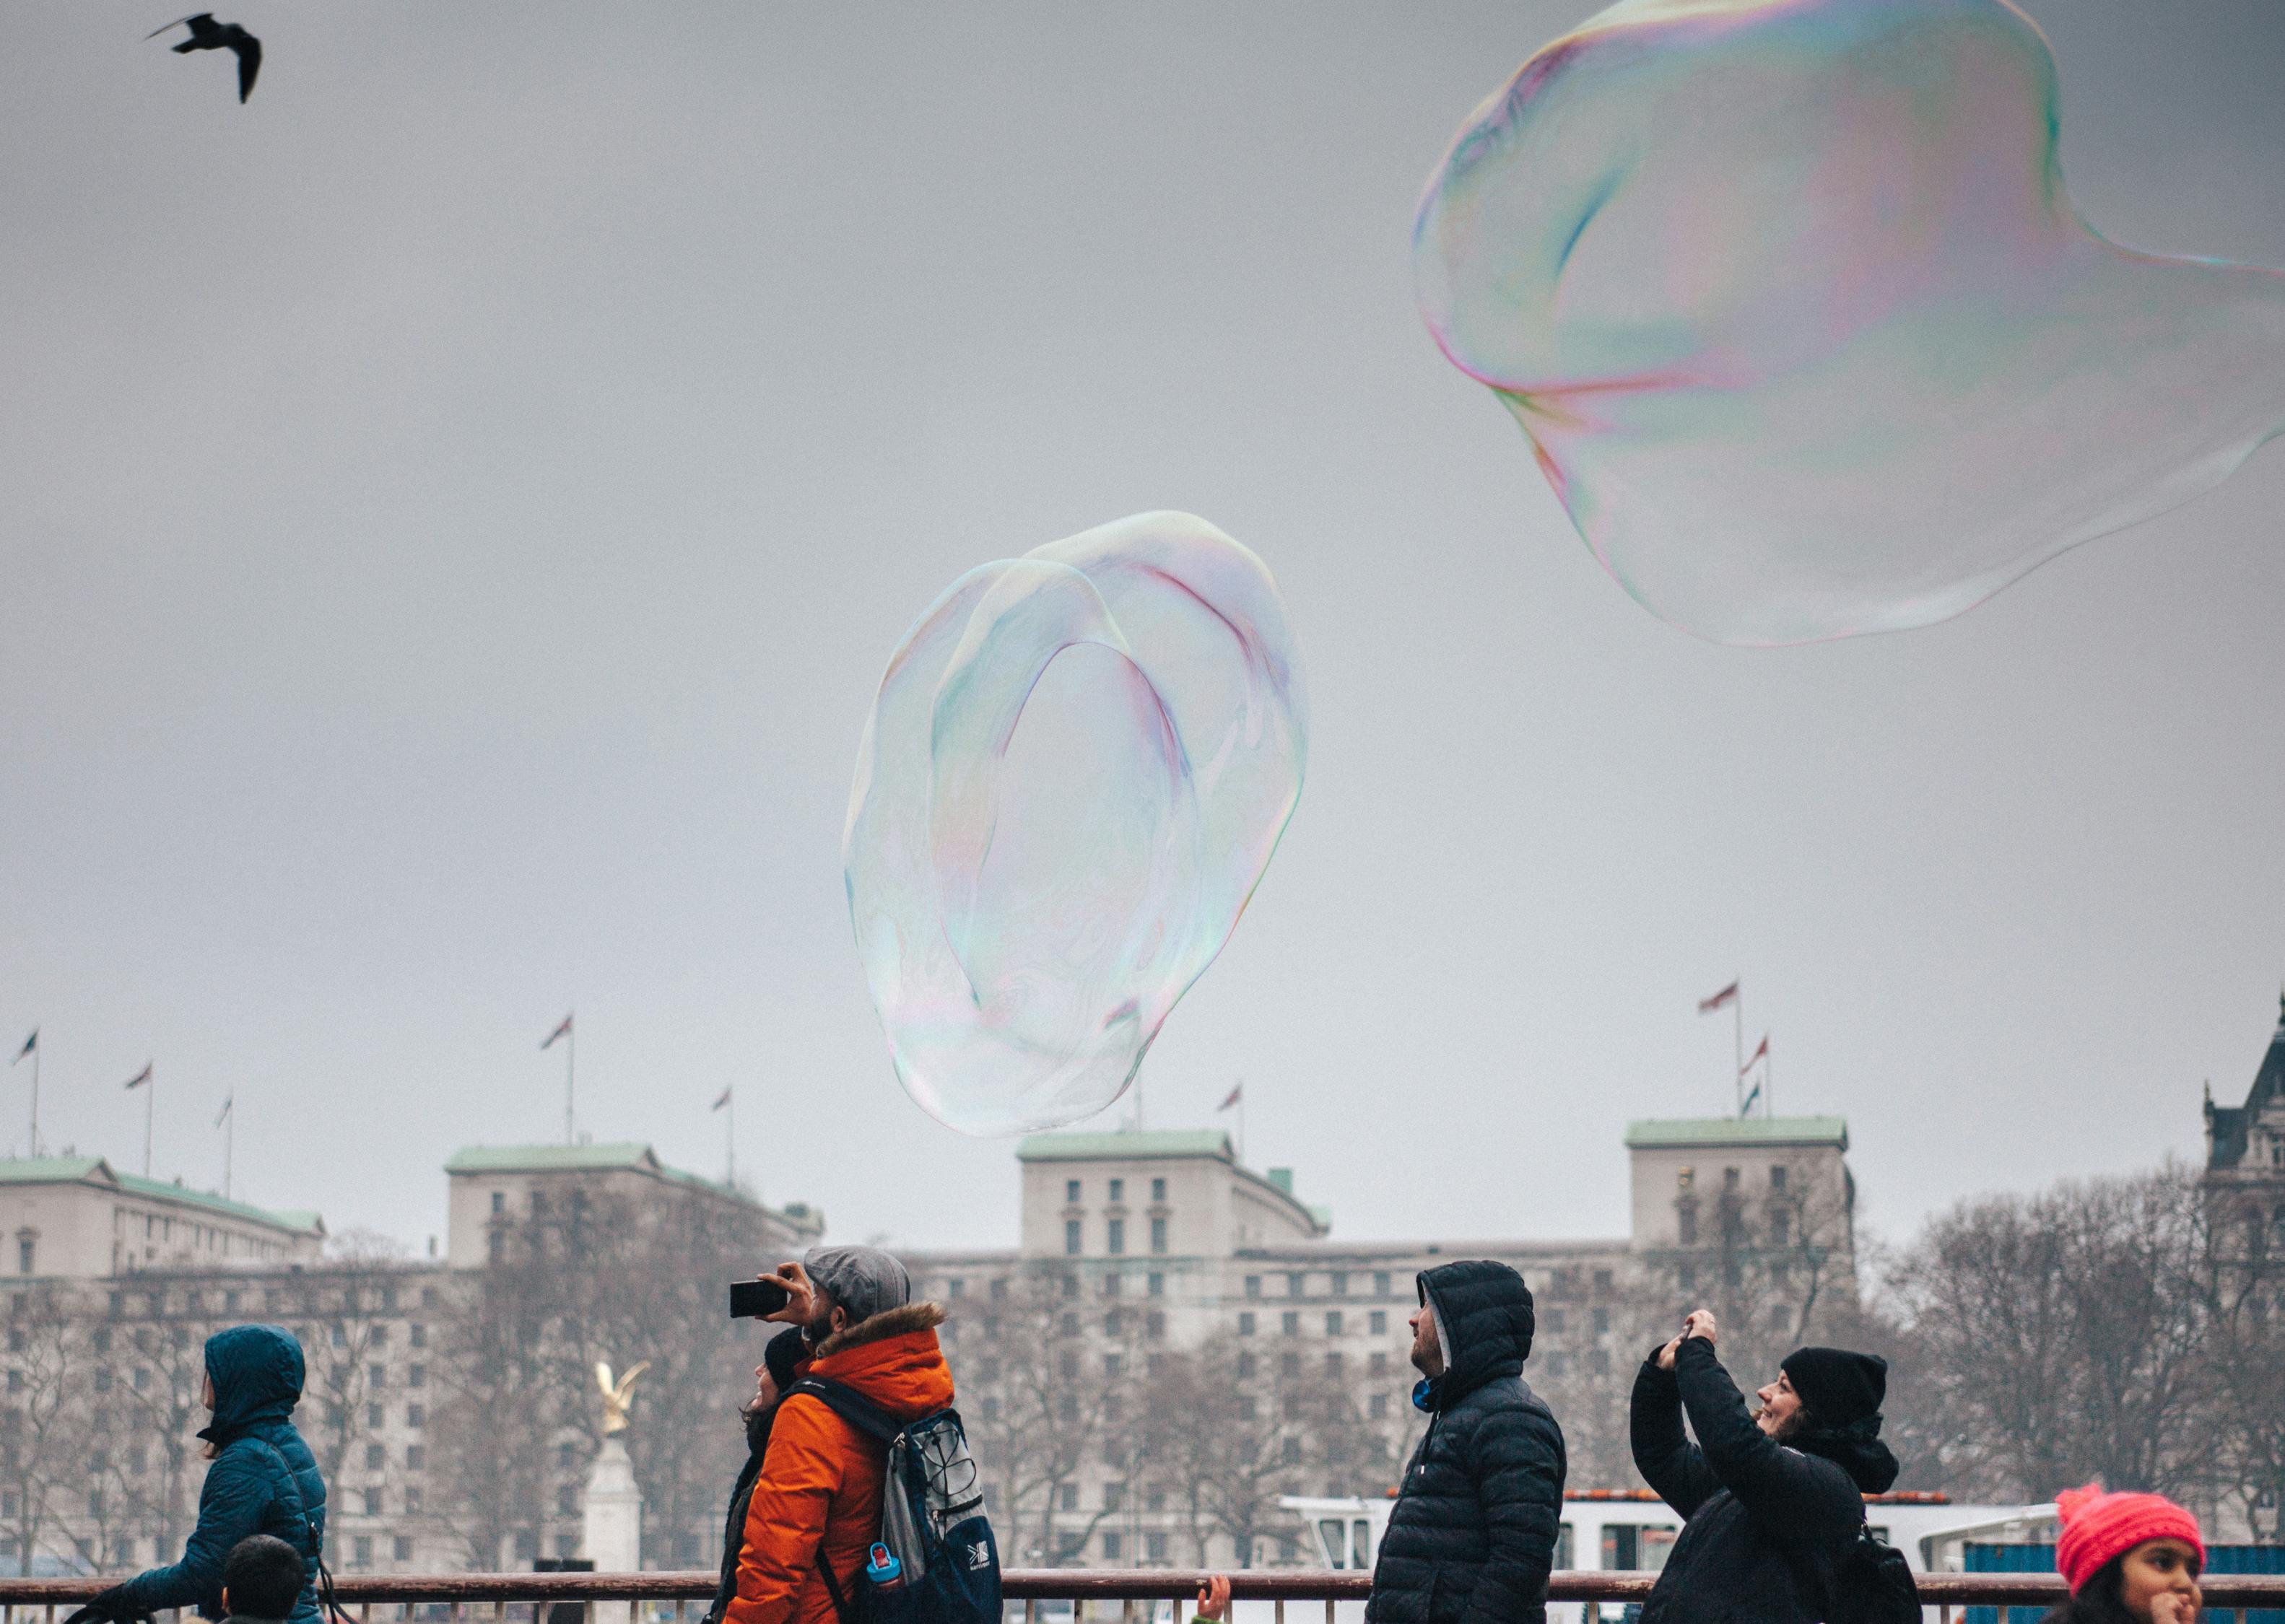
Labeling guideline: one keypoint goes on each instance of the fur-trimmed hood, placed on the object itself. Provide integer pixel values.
(891, 1359)
(894, 1322)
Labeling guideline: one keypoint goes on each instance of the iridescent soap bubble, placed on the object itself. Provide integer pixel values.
(1802, 327)
(1075, 771)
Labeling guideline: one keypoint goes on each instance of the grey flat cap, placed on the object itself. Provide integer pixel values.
(863, 1280)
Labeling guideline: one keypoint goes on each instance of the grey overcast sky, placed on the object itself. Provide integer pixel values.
(456, 508)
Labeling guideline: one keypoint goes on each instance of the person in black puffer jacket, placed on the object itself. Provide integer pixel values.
(1471, 1535)
(782, 1359)
(1771, 1500)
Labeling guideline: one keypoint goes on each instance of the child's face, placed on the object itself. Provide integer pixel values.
(2159, 1581)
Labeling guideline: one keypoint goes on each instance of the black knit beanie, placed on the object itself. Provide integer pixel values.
(783, 1356)
(1840, 1387)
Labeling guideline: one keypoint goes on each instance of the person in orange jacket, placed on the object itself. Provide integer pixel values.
(818, 1500)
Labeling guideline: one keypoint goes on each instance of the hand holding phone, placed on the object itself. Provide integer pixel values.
(756, 1299)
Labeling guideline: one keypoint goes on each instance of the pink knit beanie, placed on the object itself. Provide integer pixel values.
(2098, 1526)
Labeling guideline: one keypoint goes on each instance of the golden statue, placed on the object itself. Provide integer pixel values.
(617, 1395)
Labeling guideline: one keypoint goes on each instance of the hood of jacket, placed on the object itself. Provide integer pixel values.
(256, 1371)
(1484, 1311)
(1856, 1450)
(891, 1359)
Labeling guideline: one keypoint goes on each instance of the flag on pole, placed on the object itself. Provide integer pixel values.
(563, 1030)
(140, 1077)
(1720, 1000)
(30, 1044)
(719, 1104)
(1755, 1059)
(229, 1100)
(1236, 1095)
(1750, 1098)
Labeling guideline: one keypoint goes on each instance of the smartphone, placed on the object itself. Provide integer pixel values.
(756, 1299)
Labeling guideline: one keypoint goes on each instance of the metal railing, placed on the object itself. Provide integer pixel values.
(468, 1598)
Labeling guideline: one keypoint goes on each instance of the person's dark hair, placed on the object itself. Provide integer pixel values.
(264, 1577)
(2101, 1600)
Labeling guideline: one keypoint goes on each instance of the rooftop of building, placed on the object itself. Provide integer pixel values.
(95, 1170)
(1133, 1145)
(2227, 1125)
(1735, 1133)
(628, 1156)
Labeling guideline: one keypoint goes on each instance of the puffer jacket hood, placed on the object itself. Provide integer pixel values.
(256, 1371)
(893, 1358)
(1484, 1310)
(1856, 1450)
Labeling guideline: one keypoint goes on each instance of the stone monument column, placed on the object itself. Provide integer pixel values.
(612, 1535)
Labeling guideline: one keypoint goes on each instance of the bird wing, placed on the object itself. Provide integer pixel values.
(249, 60)
(603, 1380)
(177, 23)
(627, 1382)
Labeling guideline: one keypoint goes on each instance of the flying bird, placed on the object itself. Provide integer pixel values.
(208, 34)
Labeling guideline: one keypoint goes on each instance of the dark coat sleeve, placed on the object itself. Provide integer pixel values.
(238, 1489)
(1790, 1495)
(1669, 1461)
(1517, 1460)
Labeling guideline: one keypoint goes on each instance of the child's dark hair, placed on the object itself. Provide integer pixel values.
(264, 1577)
(2101, 1600)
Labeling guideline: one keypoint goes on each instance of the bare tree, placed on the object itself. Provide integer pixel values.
(44, 1435)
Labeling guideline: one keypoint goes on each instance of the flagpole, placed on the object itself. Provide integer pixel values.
(229, 1140)
(730, 1138)
(150, 1094)
(36, 1099)
(1737, 1009)
(570, 1055)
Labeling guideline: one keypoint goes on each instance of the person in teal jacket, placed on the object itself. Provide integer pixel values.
(264, 1480)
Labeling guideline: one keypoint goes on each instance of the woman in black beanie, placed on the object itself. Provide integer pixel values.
(780, 1368)
(1771, 1498)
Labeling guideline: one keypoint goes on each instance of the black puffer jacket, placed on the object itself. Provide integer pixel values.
(1473, 1532)
(1764, 1521)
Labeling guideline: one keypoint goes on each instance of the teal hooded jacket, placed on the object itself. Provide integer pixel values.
(263, 1479)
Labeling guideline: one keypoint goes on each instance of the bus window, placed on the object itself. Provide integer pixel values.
(1331, 1534)
(1566, 1540)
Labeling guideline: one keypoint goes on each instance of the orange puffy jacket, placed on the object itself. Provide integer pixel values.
(820, 1482)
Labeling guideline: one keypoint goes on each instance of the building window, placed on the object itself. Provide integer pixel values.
(1289, 1364)
(1117, 1237)
(1333, 1322)
(1297, 1284)
(1155, 1545)
(404, 1549)
(954, 1286)
(1000, 1289)
(567, 1500)
(415, 1459)
(375, 1457)
(1118, 1191)
(372, 1416)
(1777, 1178)
(1246, 1366)
(1781, 1228)
(1602, 1280)
(1158, 1285)
(1341, 1283)
(1071, 1192)
(373, 1502)
(1380, 1364)
(1110, 1547)
(1377, 1407)
(363, 1546)
(377, 1376)
(414, 1415)
(1253, 1286)
(1068, 1494)
(1602, 1321)
(416, 1376)
(1245, 1324)
(1377, 1322)
(1685, 1222)
(1780, 1317)
(28, 1246)
(1729, 1178)
(1333, 1362)
(1380, 1282)
(1071, 1238)
(1158, 1235)
(1157, 1190)
(1292, 1326)
(1113, 1323)
(1113, 1284)
(1685, 1275)
(500, 1201)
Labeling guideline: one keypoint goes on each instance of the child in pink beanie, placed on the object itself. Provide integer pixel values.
(2128, 1559)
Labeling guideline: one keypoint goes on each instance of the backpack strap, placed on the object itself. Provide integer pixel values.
(842, 1610)
(852, 1406)
(327, 1607)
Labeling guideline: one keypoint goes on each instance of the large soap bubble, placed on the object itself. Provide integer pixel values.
(1804, 331)
(1077, 767)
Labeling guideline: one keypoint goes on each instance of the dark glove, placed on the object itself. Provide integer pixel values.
(112, 1606)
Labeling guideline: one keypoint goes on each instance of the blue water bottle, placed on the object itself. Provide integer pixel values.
(883, 1569)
